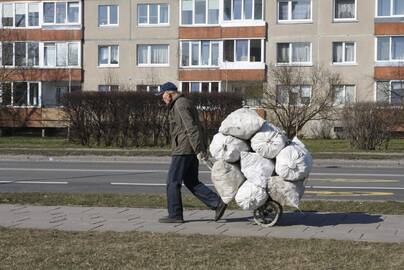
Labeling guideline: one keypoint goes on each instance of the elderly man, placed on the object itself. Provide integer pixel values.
(187, 145)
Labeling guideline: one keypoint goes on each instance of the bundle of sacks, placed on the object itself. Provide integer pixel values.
(255, 159)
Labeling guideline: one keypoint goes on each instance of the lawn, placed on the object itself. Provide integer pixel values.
(45, 249)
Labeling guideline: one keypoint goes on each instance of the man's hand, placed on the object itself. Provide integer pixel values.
(203, 156)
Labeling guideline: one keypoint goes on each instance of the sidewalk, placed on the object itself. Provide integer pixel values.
(339, 226)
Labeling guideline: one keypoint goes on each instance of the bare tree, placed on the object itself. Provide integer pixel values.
(296, 95)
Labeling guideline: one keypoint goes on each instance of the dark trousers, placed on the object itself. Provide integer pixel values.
(184, 168)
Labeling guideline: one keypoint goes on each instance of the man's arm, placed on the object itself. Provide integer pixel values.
(185, 110)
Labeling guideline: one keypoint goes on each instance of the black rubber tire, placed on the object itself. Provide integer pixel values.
(268, 214)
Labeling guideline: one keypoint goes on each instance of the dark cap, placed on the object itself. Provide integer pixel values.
(168, 86)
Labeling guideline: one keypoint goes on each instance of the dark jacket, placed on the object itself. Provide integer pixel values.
(185, 128)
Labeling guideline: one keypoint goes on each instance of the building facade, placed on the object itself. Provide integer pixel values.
(202, 45)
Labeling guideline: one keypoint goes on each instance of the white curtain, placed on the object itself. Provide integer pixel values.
(337, 52)
(344, 9)
(301, 52)
(398, 48)
(114, 54)
(159, 54)
(50, 54)
(103, 55)
(350, 94)
(301, 9)
(205, 52)
(349, 52)
(339, 96)
(73, 54)
(61, 54)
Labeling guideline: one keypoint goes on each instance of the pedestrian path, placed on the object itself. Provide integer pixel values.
(305, 225)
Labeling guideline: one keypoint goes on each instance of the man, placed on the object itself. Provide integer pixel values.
(187, 146)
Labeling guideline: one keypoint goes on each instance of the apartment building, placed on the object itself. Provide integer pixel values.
(208, 45)
(40, 60)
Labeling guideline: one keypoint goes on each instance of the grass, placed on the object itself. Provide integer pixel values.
(190, 202)
(46, 249)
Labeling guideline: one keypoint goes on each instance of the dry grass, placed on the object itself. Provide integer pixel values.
(44, 249)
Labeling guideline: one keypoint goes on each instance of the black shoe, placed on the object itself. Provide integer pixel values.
(220, 210)
(171, 220)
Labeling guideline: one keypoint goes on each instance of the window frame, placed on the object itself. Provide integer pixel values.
(290, 62)
(391, 11)
(109, 24)
(39, 105)
(232, 20)
(27, 42)
(109, 86)
(27, 26)
(158, 24)
(344, 62)
(42, 54)
(67, 13)
(290, 19)
(248, 49)
(390, 60)
(190, 42)
(299, 104)
(390, 82)
(345, 103)
(355, 18)
(109, 55)
(219, 19)
(200, 86)
(149, 64)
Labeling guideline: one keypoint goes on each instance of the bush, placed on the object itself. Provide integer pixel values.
(136, 118)
(368, 126)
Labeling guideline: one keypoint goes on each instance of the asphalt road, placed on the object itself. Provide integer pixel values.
(332, 182)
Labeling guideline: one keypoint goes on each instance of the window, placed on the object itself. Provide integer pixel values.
(20, 94)
(20, 12)
(108, 55)
(33, 14)
(108, 88)
(107, 15)
(294, 10)
(344, 95)
(33, 54)
(20, 54)
(148, 88)
(7, 54)
(61, 54)
(61, 12)
(390, 8)
(152, 14)
(293, 94)
(243, 10)
(390, 91)
(199, 12)
(204, 53)
(200, 87)
(152, 55)
(294, 53)
(8, 15)
(344, 9)
(343, 52)
(243, 50)
(390, 48)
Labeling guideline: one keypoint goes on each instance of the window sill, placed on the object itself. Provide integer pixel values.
(108, 66)
(345, 20)
(108, 26)
(199, 67)
(344, 64)
(295, 22)
(24, 106)
(153, 65)
(153, 25)
(392, 63)
(294, 64)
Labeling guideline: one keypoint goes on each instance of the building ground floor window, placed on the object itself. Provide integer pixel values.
(390, 91)
(35, 93)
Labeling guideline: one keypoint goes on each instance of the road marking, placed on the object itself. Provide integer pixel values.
(339, 180)
(42, 182)
(145, 184)
(347, 193)
(358, 174)
(364, 188)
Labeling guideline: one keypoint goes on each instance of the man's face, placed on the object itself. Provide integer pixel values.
(167, 97)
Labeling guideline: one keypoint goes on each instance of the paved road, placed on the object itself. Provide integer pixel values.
(135, 177)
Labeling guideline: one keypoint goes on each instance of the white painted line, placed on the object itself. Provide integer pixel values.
(357, 174)
(41, 182)
(364, 188)
(145, 184)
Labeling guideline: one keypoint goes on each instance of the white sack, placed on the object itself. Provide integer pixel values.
(226, 178)
(268, 141)
(285, 192)
(227, 148)
(250, 196)
(242, 123)
(294, 162)
(256, 169)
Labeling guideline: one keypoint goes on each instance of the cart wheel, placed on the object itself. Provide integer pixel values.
(268, 214)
